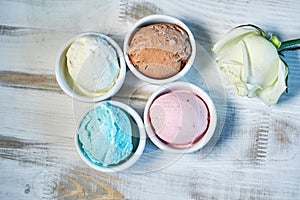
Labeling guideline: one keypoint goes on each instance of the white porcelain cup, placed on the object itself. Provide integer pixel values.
(182, 86)
(138, 138)
(64, 80)
(156, 19)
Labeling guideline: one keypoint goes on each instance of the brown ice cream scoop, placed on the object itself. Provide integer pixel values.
(159, 50)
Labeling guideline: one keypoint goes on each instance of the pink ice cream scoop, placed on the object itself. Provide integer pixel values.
(179, 118)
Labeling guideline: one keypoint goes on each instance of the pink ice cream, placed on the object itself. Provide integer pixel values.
(179, 118)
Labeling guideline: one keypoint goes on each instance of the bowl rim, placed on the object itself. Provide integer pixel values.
(154, 19)
(188, 87)
(133, 158)
(67, 88)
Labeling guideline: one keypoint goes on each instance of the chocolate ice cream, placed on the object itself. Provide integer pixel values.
(159, 50)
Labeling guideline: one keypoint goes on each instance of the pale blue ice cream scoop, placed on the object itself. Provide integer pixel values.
(105, 135)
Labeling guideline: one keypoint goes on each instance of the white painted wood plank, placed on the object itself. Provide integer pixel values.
(69, 16)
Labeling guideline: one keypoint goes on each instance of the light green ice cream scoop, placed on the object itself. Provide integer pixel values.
(105, 134)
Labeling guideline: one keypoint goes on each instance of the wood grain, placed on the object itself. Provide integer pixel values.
(29, 81)
(255, 157)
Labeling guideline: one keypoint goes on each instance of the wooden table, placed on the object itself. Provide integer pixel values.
(256, 155)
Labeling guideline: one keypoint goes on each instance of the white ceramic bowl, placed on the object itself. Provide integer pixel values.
(185, 86)
(155, 19)
(139, 136)
(62, 75)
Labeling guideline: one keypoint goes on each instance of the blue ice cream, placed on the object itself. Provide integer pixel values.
(105, 134)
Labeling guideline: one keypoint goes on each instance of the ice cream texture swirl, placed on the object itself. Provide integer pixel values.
(179, 118)
(159, 50)
(105, 134)
(93, 65)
